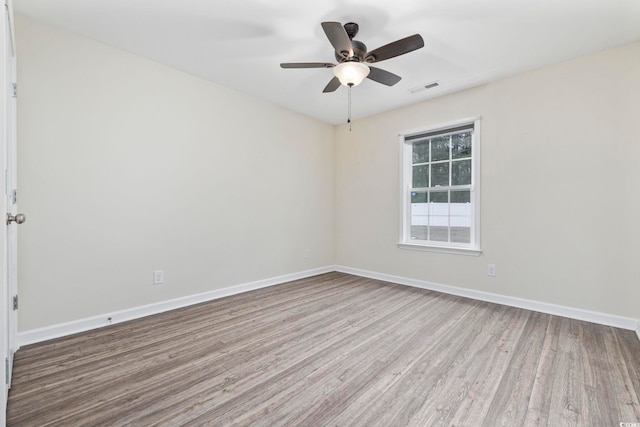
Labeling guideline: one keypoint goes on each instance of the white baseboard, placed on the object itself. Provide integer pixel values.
(543, 307)
(94, 322)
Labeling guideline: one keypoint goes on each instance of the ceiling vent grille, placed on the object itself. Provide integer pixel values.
(424, 87)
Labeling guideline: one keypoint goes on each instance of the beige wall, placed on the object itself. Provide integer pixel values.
(127, 166)
(559, 183)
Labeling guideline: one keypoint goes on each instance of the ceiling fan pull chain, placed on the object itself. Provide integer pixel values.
(349, 114)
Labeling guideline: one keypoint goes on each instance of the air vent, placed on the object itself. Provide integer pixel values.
(424, 87)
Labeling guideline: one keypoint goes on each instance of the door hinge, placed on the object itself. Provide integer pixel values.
(15, 89)
(6, 370)
(15, 302)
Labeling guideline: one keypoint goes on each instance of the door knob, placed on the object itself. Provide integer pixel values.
(18, 218)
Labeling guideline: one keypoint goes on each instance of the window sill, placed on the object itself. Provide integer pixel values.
(441, 249)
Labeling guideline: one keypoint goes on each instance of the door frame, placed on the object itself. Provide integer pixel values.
(8, 329)
(11, 186)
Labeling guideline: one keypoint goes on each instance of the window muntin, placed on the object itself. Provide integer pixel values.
(440, 187)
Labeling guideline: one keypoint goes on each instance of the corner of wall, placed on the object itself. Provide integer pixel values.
(34, 336)
(527, 304)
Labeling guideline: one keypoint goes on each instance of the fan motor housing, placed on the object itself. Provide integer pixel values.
(359, 51)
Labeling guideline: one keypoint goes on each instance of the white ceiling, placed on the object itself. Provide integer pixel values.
(241, 43)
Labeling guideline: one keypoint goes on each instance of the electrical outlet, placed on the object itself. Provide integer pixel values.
(306, 253)
(158, 277)
(491, 270)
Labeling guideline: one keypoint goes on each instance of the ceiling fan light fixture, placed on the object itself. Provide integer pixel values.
(351, 73)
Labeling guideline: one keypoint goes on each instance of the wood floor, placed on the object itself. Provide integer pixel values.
(333, 350)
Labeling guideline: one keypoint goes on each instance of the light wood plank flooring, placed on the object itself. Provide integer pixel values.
(333, 350)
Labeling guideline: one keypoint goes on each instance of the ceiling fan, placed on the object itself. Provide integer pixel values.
(353, 57)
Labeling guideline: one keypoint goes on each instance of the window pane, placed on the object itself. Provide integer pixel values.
(440, 148)
(421, 152)
(460, 216)
(460, 234)
(439, 216)
(420, 176)
(440, 174)
(417, 197)
(461, 145)
(461, 196)
(439, 234)
(418, 231)
(439, 197)
(461, 172)
(419, 216)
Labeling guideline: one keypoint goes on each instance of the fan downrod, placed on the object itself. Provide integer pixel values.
(352, 29)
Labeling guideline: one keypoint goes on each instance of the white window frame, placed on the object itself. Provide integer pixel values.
(406, 167)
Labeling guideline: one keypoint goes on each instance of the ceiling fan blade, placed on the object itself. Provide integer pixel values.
(332, 86)
(396, 48)
(307, 65)
(339, 38)
(382, 76)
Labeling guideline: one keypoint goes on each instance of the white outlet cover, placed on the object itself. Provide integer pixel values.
(158, 277)
(491, 270)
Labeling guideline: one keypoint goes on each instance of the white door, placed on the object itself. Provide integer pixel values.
(11, 218)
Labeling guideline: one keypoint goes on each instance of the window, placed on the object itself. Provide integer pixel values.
(440, 188)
